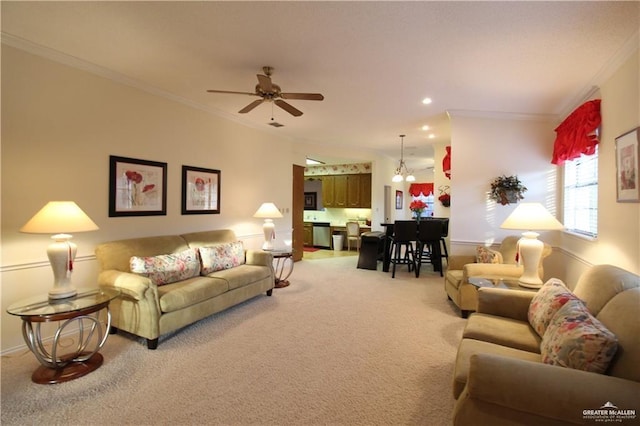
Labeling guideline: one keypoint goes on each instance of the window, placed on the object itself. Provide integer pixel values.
(581, 195)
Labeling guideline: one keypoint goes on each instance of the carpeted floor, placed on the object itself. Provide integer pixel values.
(339, 346)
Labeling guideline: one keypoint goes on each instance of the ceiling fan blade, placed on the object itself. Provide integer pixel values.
(289, 108)
(251, 106)
(231, 92)
(303, 96)
(265, 83)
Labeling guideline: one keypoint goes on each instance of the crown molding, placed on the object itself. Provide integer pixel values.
(80, 64)
(497, 115)
(605, 73)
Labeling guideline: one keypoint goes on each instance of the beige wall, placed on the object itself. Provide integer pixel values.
(59, 126)
(618, 239)
(485, 147)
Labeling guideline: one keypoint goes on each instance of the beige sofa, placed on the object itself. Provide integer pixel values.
(461, 267)
(149, 310)
(500, 377)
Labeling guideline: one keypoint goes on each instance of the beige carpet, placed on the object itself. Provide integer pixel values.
(339, 346)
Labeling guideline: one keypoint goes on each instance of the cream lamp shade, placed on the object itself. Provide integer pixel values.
(60, 218)
(531, 217)
(268, 212)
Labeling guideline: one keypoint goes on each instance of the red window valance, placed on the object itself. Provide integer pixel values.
(416, 188)
(575, 134)
(446, 163)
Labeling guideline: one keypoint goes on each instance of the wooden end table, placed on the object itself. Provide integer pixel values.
(81, 310)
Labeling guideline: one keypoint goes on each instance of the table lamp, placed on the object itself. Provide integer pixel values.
(531, 217)
(59, 218)
(268, 211)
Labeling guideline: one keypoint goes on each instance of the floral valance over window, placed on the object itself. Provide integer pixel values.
(415, 189)
(575, 134)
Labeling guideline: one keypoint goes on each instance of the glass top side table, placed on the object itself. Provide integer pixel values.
(81, 310)
(283, 266)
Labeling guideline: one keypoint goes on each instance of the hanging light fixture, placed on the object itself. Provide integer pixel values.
(402, 173)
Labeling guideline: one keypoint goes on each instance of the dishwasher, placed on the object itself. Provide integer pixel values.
(322, 234)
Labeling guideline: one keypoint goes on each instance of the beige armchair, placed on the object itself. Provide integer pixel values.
(461, 267)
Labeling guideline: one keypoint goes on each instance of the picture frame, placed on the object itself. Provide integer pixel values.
(200, 190)
(627, 167)
(137, 187)
(399, 197)
(310, 201)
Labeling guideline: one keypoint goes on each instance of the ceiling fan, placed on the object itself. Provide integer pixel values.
(271, 92)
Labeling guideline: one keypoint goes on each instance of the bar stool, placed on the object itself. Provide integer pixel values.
(405, 233)
(428, 251)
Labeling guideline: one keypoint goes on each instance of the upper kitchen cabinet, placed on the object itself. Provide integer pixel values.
(359, 191)
(342, 191)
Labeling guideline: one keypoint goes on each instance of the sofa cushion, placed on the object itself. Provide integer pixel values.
(486, 255)
(544, 305)
(576, 339)
(242, 275)
(502, 331)
(188, 292)
(221, 256)
(167, 268)
(469, 347)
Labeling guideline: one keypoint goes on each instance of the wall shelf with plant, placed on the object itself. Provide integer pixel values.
(507, 189)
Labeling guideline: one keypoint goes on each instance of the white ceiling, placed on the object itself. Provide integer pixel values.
(373, 61)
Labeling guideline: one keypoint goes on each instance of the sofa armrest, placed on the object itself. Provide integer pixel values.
(456, 262)
(504, 302)
(258, 257)
(129, 284)
(544, 390)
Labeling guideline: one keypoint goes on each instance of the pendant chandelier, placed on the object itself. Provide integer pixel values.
(402, 173)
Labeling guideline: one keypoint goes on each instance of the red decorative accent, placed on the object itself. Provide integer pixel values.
(416, 188)
(446, 163)
(575, 134)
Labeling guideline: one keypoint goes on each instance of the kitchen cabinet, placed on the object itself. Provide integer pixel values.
(342, 191)
(308, 234)
(359, 191)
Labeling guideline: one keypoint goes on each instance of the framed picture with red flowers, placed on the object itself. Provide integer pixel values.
(200, 190)
(137, 187)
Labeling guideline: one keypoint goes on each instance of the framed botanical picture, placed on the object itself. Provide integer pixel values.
(398, 200)
(200, 190)
(137, 187)
(310, 201)
(627, 153)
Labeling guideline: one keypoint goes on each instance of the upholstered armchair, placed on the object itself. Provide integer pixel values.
(487, 263)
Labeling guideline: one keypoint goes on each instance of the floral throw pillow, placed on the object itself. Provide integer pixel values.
(167, 268)
(221, 256)
(544, 305)
(486, 255)
(576, 339)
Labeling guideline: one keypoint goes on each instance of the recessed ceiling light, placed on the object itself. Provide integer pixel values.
(431, 136)
(426, 101)
(425, 127)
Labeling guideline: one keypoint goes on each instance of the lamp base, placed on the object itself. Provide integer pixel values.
(269, 229)
(61, 254)
(530, 249)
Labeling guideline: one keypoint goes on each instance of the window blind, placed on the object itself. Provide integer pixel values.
(581, 195)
